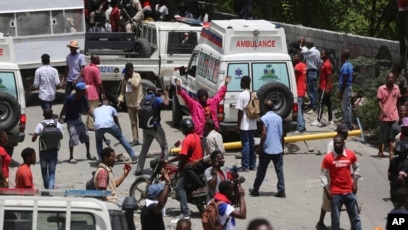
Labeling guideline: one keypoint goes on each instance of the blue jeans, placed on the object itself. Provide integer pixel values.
(115, 132)
(264, 160)
(248, 160)
(346, 106)
(46, 104)
(148, 136)
(349, 200)
(312, 87)
(181, 193)
(300, 118)
(48, 163)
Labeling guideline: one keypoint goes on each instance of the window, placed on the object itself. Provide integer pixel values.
(8, 24)
(33, 23)
(181, 42)
(8, 83)
(208, 67)
(266, 72)
(237, 71)
(19, 220)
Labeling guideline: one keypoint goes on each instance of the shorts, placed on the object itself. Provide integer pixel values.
(77, 132)
(326, 206)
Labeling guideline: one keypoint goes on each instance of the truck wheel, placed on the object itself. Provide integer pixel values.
(138, 190)
(280, 95)
(177, 114)
(142, 47)
(145, 84)
(9, 111)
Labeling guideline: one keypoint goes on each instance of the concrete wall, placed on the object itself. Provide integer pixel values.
(336, 42)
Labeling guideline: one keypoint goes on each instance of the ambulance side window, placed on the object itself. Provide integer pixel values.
(208, 67)
(237, 71)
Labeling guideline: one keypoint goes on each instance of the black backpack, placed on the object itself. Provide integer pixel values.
(50, 138)
(147, 113)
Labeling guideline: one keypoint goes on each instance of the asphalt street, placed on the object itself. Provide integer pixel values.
(300, 210)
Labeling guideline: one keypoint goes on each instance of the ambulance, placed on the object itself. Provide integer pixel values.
(237, 48)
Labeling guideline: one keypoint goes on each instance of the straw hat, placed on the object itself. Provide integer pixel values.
(73, 44)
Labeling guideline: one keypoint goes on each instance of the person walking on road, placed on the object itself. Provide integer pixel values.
(24, 177)
(50, 133)
(72, 109)
(104, 178)
(343, 184)
(106, 121)
(345, 83)
(94, 87)
(75, 67)
(270, 149)
(46, 80)
(387, 95)
(132, 91)
(246, 127)
(157, 131)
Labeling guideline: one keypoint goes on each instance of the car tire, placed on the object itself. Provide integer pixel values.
(10, 111)
(142, 47)
(281, 96)
(177, 114)
(146, 84)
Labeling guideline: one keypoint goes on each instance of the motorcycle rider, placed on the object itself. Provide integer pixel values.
(189, 158)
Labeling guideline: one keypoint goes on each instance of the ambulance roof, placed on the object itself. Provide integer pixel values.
(244, 36)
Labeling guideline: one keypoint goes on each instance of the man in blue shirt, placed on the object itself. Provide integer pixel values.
(72, 110)
(270, 148)
(345, 80)
(106, 121)
(157, 132)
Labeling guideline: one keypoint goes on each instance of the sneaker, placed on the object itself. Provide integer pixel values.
(331, 123)
(199, 192)
(315, 123)
(299, 131)
(134, 160)
(72, 161)
(280, 195)
(180, 217)
(321, 226)
(253, 192)
(134, 143)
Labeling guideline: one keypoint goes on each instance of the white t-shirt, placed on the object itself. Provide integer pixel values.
(242, 104)
(104, 116)
(224, 212)
(39, 128)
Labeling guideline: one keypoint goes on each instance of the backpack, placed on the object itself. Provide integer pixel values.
(50, 138)
(253, 111)
(90, 184)
(209, 218)
(147, 113)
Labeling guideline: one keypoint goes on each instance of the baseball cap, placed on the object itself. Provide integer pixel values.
(404, 122)
(342, 128)
(80, 86)
(154, 190)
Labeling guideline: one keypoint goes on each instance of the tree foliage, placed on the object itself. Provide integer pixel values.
(374, 18)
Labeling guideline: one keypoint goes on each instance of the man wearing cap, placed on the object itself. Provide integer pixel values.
(46, 80)
(156, 197)
(157, 132)
(75, 67)
(132, 91)
(387, 95)
(72, 109)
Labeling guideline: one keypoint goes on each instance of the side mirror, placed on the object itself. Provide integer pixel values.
(182, 70)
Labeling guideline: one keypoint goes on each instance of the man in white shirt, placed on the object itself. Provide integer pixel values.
(213, 140)
(313, 62)
(106, 121)
(246, 127)
(47, 81)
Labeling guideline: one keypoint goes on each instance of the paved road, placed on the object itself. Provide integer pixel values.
(301, 208)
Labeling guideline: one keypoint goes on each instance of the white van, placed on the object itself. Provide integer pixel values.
(254, 48)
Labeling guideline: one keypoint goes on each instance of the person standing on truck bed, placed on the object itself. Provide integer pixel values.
(114, 17)
(203, 108)
(75, 66)
(132, 91)
(47, 81)
(93, 81)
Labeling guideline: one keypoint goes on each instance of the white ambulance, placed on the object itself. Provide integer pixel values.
(254, 48)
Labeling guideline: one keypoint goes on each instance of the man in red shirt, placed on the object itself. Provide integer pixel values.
(300, 74)
(387, 95)
(24, 177)
(325, 87)
(190, 163)
(93, 81)
(343, 185)
(114, 17)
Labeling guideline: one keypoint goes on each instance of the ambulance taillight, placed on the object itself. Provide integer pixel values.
(220, 112)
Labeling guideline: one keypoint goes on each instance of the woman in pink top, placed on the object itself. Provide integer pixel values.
(204, 108)
(5, 160)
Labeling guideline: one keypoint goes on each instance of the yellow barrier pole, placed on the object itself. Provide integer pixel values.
(288, 139)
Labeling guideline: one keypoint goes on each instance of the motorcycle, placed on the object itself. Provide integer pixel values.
(139, 186)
